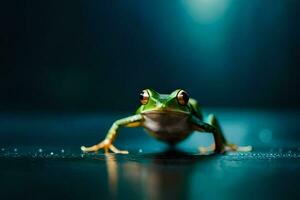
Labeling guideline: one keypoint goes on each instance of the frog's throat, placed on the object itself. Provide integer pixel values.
(168, 126)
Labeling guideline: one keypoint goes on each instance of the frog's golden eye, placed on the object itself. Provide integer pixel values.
(183, 97)
(144, 97)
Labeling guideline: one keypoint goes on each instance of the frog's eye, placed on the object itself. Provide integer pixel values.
(183, 97)
(144, 97)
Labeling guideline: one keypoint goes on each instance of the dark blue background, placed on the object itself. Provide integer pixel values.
(97, 55)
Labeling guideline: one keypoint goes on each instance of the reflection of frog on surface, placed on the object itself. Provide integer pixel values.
(169, 118)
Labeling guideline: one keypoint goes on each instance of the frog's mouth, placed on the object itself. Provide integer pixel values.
(163, 115)
(164, 112)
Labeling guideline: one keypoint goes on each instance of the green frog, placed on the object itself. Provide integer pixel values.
(170, 118)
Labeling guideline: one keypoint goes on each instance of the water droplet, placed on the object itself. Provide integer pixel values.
(40, 150)
(51, 153)
(140, 150)
(63, 151)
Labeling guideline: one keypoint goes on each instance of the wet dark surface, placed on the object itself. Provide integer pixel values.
(40, 159)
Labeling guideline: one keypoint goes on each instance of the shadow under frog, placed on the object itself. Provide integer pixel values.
(164, 175)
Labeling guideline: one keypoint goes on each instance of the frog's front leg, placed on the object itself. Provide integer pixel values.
(106, 144)
(220, 145)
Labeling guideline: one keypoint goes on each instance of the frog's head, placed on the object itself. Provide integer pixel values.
(151, 101)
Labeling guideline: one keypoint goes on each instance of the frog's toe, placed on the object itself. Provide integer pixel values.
(207, 150)
(93, 148)
(115, 150)
(234, 147)
(244, 148)
(83, 148)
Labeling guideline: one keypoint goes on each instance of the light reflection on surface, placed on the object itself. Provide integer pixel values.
(159, 176)
(112, 172)
(173, 174)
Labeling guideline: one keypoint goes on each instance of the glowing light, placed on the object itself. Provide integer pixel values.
(206, 11)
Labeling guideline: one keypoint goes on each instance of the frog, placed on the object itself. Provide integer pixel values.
(170, 118)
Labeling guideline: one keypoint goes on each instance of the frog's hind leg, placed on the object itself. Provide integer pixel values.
(221, 145)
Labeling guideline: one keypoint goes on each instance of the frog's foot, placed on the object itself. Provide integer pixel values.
(207, 150)
(106, 145)
(224, 148)
(234, 147)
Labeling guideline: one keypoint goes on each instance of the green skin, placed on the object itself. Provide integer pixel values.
(166, 119)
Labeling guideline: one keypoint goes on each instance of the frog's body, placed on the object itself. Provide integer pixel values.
(169, 118)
